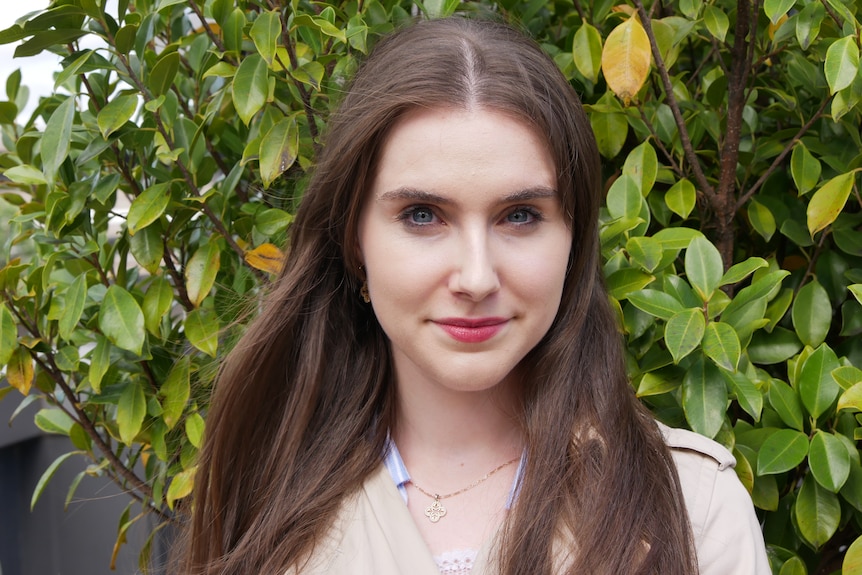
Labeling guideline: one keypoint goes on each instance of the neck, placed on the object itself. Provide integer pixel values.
(450, 437)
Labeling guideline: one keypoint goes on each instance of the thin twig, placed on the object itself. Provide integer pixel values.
(778, 160)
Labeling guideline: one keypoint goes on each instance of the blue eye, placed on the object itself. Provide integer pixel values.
(522, 216)
(421, 216)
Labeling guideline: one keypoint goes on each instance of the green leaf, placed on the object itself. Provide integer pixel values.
(610, 131)
(793, 566)
(812, 314)
(817, 387)
(817, 512)
(163, 74)
(53, 420)
(131, 409)
(157, 302)
(47, 475)
(272, 221)
(47, 39)
(72, 69)
(776, 9)
(25, 174)
(747, 394)
(804, 168)
(828, 201)
(587, 51)
(202, 327)
(250, 87)
(57, 137)
(8, 334)
(681, 198)
(76, 297)
(654, 383)
(116, 112)
(645, 252)
(704, 398)
(856, 290)
(842, 63)
(852, 490)
(201, 272)
(121, 320)
(782, 451)
(265, 33)
(73, 486)
(684, 332)
(656, 303)
(828, 460)
(147, 248)
(771, 348)
(703, 267)
(742, 270)
(624, 199)
(278, 150)
(624, 281)
(8, 113)
(847, 376)
(167, 3)
(765, 494)
(716, 22)
(175, 392)
(761, 219)
(124, 39)
(100, 361)
(195, 429)
(721, 345)
(148, 207)
(808, 24)
(642, 166)
(232, 30)
(326, 27)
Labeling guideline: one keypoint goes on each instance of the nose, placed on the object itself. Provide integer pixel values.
(475, 272)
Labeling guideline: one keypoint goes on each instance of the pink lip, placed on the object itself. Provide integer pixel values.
(472, 330)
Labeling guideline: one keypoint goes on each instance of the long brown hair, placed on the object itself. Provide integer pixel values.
(303, 404)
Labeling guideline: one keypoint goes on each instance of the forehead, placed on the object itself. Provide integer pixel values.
(448, 149)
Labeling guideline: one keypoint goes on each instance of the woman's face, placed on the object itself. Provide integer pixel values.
(465, 246)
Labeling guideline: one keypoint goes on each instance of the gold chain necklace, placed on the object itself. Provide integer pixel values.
(436, 510)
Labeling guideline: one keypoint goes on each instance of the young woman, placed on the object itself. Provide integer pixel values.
(436, 381)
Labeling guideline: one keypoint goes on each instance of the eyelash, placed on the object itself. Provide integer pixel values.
(406, 215)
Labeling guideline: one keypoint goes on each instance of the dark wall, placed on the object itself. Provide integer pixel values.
(49, 540)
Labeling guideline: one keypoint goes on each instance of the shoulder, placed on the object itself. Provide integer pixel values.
(719, 507)
(688, 443)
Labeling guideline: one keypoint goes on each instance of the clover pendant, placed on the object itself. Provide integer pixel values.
(435, 511)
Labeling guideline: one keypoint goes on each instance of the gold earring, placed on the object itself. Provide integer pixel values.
(363, 292)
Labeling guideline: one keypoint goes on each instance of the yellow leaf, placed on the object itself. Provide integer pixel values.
(19, 370)
(773, 28)
(624, 9)
(181, 485)
(626, 59)
(852, 398)
(265, 257)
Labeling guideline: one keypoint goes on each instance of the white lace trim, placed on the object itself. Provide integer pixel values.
(456, 562)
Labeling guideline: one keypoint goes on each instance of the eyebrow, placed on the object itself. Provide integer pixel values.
(417, 195)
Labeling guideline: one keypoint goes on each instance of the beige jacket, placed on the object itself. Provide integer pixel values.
(375, 534)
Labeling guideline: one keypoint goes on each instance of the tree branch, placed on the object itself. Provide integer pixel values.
(778, 160)
(687, 147)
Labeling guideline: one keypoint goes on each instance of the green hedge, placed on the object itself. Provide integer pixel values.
(732, 235)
